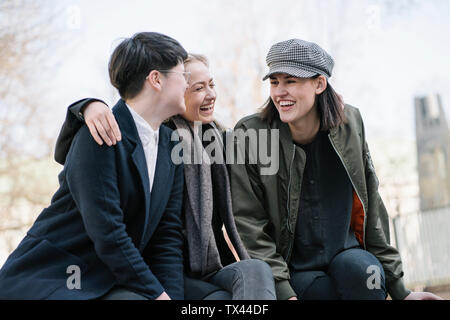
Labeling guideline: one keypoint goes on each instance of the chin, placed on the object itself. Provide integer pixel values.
(208, 120)
(286, 118)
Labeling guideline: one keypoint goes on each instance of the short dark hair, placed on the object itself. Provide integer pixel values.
(329, 106)
(135, 57)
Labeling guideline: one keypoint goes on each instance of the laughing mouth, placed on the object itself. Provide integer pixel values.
(286, 104)
(207, 107)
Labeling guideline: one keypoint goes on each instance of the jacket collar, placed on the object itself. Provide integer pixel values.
(125, 121)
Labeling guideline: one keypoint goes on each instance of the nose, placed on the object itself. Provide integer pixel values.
(278, 91)
(210, 93)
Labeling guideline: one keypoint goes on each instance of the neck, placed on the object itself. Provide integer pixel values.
(305, 129)
(148, 110)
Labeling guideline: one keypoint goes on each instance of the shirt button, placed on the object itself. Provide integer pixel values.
(311, 181)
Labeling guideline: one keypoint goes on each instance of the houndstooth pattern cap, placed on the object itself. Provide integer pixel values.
(298, 58)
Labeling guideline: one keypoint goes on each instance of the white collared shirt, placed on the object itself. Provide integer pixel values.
(149, 139)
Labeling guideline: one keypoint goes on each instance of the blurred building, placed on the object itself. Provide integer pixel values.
(433, 153)
(423, 238)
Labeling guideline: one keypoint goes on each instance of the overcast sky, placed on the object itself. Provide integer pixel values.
(386, 51)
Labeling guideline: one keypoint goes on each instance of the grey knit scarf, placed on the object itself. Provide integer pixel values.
(204, 257)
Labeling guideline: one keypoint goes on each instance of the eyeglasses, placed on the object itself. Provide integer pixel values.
(186, 74)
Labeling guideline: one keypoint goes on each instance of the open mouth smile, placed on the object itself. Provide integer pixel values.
(207, 108)
(286, 105)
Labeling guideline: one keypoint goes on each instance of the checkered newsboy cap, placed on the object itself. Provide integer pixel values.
(298, 58)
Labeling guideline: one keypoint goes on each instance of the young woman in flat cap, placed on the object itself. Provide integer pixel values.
(319, 221)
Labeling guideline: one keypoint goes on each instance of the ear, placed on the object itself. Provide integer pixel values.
(154, 79)
(321, 84)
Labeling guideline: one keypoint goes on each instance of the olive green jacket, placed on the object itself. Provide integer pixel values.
(266, 206)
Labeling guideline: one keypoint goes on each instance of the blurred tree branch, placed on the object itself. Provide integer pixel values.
(29, 33)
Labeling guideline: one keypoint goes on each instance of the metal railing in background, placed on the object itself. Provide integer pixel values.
(423, 240)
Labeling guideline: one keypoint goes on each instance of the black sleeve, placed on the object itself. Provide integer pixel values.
(74, 121)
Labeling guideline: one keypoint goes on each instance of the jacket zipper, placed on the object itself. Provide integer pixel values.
(348, 174)
(288, 205)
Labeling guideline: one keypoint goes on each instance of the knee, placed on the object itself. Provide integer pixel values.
(258, 279)
(361, 271)
(356, 264)
(256, 266)
(255, 271)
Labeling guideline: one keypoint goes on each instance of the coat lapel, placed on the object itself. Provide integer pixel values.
(161, 184)
(128, 128)
(139, 161)
(156, 200)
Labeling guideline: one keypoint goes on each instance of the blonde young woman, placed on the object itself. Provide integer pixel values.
(217, 264)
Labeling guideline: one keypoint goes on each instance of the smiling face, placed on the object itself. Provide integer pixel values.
(294, 97)
(200, 96)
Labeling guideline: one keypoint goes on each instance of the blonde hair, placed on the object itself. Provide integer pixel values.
(197, 57)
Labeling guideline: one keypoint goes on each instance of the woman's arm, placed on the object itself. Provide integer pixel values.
(99, 119)
(252, 220)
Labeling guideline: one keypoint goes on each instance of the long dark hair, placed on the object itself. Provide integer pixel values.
(329, 105)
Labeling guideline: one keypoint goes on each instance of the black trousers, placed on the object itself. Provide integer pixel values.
(353, 274)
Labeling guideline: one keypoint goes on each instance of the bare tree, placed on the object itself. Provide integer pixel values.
(28, 37)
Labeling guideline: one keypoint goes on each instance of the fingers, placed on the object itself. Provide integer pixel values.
(432, 296)
(163, 296)
(93, 131)
(102, 124)
(101, 130)
(103, 127)
(114, 126)
(422, 296)
(108, 128)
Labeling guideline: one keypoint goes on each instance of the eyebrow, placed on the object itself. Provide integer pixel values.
(202, 82)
